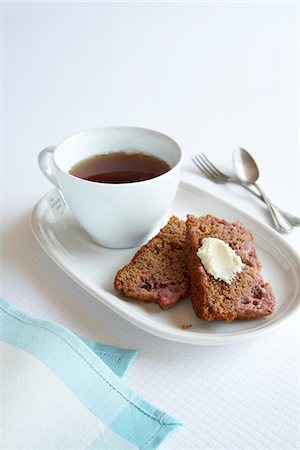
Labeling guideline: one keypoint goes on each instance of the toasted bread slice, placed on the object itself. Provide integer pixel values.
(158, 271)
(248, 296)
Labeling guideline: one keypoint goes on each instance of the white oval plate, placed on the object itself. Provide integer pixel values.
(93, 268)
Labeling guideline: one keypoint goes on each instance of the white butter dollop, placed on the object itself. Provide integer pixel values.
(219, 260)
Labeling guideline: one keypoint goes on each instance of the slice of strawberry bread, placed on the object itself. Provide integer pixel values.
(158, 271)
(248, 295)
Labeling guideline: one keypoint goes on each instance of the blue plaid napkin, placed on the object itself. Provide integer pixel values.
(64, 392)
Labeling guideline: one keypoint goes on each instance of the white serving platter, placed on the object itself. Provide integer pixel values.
(93, 268)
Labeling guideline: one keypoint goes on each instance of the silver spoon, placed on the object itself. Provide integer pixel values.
(248, 173)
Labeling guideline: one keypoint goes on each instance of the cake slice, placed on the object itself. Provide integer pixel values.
(248, 295)
(158, 271)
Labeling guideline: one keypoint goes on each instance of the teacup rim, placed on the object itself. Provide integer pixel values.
(109, 127)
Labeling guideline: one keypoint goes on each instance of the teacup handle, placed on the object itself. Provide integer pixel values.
(45, 161)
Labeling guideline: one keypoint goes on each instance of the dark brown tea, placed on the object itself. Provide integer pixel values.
(119, 167)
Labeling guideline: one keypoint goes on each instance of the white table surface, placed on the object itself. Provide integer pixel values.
(213, 76)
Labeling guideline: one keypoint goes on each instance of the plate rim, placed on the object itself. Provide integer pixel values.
(180, 336)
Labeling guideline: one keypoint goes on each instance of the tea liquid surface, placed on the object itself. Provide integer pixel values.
(119, 167)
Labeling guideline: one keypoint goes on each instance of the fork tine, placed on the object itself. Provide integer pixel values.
(203, 167)
(210, 164)
(206, 166)
(197, 163)
(209, 168)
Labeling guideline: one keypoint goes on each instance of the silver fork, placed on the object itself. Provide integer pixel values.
(215, 175)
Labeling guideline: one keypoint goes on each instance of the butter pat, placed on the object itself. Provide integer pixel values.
(219, 260)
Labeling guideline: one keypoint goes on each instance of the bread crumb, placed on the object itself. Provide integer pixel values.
(185, 326)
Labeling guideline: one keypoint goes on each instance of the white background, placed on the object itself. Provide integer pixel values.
(212, 75)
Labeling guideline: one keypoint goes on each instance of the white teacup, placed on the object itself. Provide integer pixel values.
(114, 215)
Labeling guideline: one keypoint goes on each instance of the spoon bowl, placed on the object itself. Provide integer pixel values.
(245, 167)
